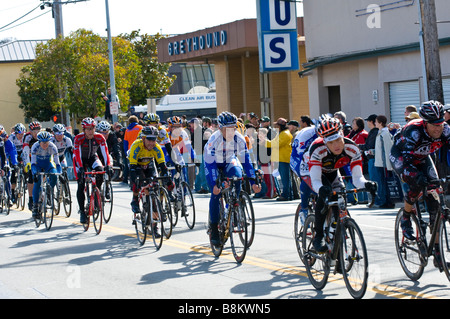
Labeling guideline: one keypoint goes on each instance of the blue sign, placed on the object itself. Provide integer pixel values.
(277, 35)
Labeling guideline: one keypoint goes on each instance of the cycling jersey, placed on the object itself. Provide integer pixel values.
(139, 155)
(65, 143)
(222, 154)
(85, 151)
(181, 144)
(11, 153)
(18, 143)
(41, 157)
(28, 141)
(323, 161)
(300, 150)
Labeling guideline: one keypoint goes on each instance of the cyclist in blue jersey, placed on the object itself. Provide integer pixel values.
(226, 151)
(44, 158)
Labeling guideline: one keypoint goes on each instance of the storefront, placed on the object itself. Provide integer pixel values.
(240, 87)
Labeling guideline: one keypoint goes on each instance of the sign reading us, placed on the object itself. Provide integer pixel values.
(277, 35)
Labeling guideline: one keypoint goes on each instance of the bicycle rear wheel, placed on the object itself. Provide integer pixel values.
(156, 222)
(108, 200)
(49, 206)
(298, 231)
(409, 251)
(217, 249)
(444, 244)
(239, 234)
(247, 206)
(22, 192)
(66, 197)
(166, 208)
(187, 205)
(316, 265)
(353, 259)
(97, 213)
(141, 219)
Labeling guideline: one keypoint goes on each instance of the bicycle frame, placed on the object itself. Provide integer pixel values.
(91, 190)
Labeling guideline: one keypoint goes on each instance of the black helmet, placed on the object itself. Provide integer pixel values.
(432, 112)
(149, 132)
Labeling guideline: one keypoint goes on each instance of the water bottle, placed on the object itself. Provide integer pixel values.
(332, 228)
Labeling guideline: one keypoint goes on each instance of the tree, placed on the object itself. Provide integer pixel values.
(72, 71)
(153, 79)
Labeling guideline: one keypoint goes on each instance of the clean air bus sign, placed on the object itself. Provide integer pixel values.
(277, 35)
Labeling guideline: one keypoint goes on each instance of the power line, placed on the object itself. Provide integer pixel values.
(14, 26)
(19, 18)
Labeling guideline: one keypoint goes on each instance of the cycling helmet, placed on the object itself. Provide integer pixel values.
(19, 128)
(432, 112)
(174, 120)
(151, 118)
(59, 128)
(328, 127)
(88, 122)
(44, 136)
(103, 126)
(34, 125)
(227, 119)
(149, 132)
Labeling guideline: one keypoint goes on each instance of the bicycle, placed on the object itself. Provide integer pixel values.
(413, 254)
(94, 207)
(247, 205)
(21, 188)
(150, 212)
(183, 200)
(63, 195)
(232, 220)
(299, 222)
(4, 193)
(346, 247)
(46, 202)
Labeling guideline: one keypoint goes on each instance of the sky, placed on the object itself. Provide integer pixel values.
(168, 17)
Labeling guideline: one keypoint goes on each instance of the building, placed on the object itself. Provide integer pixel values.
(13, 57)
(240, 87)
(364, 58)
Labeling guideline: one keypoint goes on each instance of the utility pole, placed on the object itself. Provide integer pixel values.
(112, 80)
(57, 15)
(430, 51)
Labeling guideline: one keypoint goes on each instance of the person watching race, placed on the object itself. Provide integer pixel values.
(44, 158)
(411, 159)
(85, 157)
(329, 152)
(224, 152)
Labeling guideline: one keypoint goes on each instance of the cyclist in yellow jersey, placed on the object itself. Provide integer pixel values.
(142, 152)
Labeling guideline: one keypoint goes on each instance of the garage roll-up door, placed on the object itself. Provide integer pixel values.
(402, 94)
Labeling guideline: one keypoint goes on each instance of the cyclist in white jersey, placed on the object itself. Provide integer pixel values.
(62, 143)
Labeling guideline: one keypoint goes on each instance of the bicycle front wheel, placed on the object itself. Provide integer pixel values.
(247, 207)
(298, 231)
(107, 191)
(166, 211)
(187, 205)
(444, 244)
(141, 219)
(239, 234)
(49, 206)
(97, 213)
(353, 259)
(316, 265)
(408, 251)
(66, 197)
(156, 227)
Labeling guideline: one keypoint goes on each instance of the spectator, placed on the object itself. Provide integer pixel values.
(130, 136)
(293, 127)
(343, 119)
(266, 132)
(368, 147)
(358, 134)
(281, 155)
(107, 99)
(412, 116)
(383, 145)
(253, 118)
(305, 121)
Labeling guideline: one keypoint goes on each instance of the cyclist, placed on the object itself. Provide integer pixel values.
(163, 139)
(62, 143)
(44, 158)
(329, 152)
(28, 140)
(104, 128)
(85, 157)
(224, 152)
(142, 152)
(17, 139)
(299, 165)
(411, 160)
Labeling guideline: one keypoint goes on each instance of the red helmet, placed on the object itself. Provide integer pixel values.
(328, 126)
(34, 125)
(88, 122)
